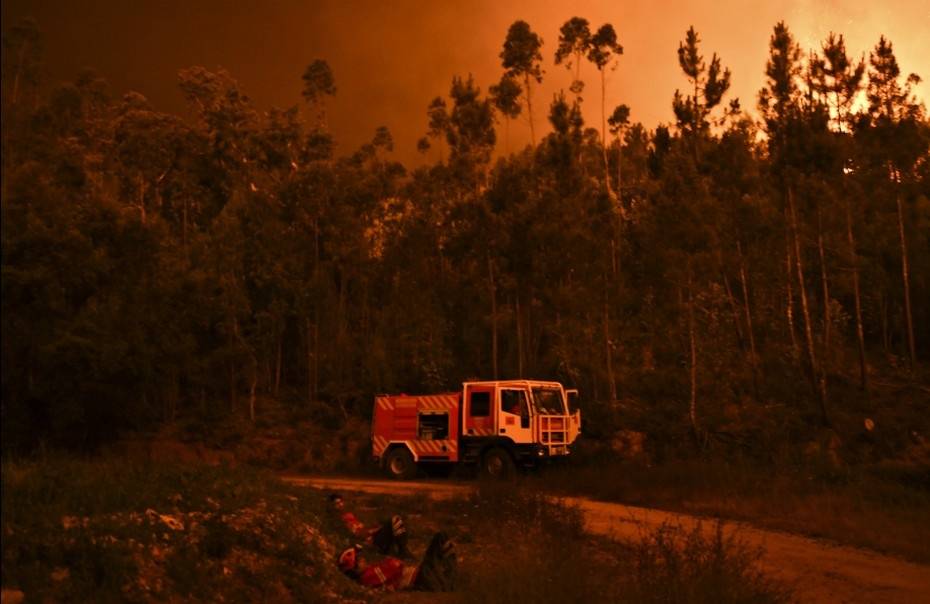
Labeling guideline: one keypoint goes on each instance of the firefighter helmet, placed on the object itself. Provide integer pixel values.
(348, 559)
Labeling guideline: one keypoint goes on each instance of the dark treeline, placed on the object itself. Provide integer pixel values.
(769, 267)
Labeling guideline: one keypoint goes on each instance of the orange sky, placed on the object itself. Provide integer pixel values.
(391, 58)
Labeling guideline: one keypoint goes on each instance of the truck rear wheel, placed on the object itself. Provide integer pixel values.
(400, 465)
(497, 463)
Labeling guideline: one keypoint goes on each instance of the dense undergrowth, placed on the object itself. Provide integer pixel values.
(885, 507)
(82, 531)
(516, 544)
(95, 531)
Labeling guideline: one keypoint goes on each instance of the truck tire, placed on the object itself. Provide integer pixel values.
(399, 464)
(497, 463)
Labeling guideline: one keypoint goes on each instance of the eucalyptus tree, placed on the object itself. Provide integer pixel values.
(521, 58)
(780, 102)
(437, 123)
(319, 83)
(895, 136)
(618, 121)
(470, 129)
(603, 51)
(505, 96)
(838, 80)
(574, 44)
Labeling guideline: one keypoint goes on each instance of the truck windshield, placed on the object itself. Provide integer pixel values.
(548, 401)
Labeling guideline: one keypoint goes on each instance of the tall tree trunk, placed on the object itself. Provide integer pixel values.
(818, 381)
(141, 181)
(905, 274)
(234, 328)
(279, 354)
(753, 356)
(608, 353)
(19, 68)
(312, 351)
(860, 335)
(827, 322)
(731, 301)
(184, 224)
(789, 288)
(493, 287)
(529, 107)
(520, 343)
(253, 383)
(692, 369)
(620, 168)
(604, 131)
(886, 335)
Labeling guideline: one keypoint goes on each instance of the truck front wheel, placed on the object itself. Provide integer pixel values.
(497, 463)
(400, 465)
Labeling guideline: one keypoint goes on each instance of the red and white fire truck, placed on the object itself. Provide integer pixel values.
(499, 425)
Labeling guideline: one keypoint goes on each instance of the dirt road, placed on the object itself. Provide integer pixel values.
(818, 571)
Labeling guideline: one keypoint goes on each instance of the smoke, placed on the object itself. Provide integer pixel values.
(391, 58)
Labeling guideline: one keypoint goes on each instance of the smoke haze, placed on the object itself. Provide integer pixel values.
(391, 58)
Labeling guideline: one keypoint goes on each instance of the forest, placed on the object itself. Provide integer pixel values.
(750, 275)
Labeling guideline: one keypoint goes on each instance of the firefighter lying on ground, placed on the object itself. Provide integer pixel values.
(389, 536)
(435, 573)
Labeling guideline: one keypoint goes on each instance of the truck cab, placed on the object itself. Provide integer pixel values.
(529, 419)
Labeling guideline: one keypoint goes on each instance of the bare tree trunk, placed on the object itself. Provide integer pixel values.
(608, 354)
(19, 68)
(692, 406)
(604, 131)
(529, 107)
(905, 274)
(886, 337)
(141, 181)
(232, 372)
(520, 343)
(825, 286)
(860, 336)
(731, 301)
(253, 382)
(184, 224)
(789, 279)
(620, 167)
(818, 380)
(278, 361)
(311, 359)
(753, 357)
(493, 289)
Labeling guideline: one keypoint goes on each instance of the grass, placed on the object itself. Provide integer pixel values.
(117, 531)
(882, 507)
(515, 545)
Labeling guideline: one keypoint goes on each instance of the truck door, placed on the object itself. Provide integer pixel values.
(513, 419)
(479, 413)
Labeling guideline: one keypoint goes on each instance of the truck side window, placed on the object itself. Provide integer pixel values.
(480, 404)
(514, 401)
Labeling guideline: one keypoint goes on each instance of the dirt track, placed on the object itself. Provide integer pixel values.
(818, 571)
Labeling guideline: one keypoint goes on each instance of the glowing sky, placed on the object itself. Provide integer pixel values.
(391, 57)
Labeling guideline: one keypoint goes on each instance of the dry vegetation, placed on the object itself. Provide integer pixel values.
(106, 531)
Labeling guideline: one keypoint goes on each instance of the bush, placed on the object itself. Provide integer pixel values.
(536, 550)
(98, 531)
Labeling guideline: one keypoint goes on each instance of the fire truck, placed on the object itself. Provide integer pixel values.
(498, 425)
